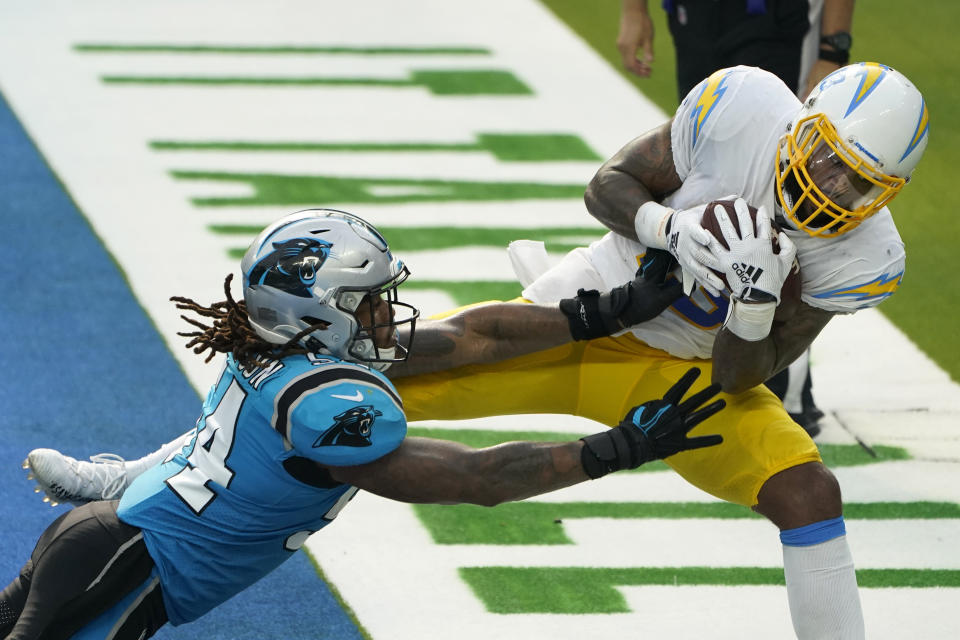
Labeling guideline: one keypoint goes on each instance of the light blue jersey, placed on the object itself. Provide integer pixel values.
(244, 493)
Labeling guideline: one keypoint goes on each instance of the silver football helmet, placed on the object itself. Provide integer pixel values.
(311, 270)
(851, 148)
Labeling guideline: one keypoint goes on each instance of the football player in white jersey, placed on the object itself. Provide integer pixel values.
(824, 170)
(300, 418)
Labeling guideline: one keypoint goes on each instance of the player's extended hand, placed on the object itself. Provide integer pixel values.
(592, 314)
(754, 272)
(692, 246)
(653, 430)
(647, 295)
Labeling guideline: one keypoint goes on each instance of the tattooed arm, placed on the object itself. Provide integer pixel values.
(483, 333)
(436, 471)
(640, 172)
(496, 331)
(740, 364)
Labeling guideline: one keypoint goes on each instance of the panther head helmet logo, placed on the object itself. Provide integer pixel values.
(350, 429)
(291, 266)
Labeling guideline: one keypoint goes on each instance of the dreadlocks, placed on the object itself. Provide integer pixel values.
(230, 332)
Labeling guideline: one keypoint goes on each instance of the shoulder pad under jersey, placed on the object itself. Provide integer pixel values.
(854, 271)
(737, 104)
(340, 414)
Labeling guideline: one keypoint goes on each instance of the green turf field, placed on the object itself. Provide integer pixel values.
(917, 43)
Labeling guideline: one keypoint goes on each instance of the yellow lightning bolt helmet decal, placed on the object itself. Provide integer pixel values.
(880, 287)
(871, 74)
(713, 90)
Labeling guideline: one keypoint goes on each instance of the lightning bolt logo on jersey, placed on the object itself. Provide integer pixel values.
(246, 490)
(713, 90)
(879, 288)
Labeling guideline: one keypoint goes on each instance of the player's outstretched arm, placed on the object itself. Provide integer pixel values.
(481, 334)
(425, 470)
(500, 330)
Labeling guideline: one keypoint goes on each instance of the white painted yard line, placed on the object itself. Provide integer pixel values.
(664, 486)
(864, 363)
(470, 263)
(705, 542)
(523, 214)
(389, 609)
(725, 613)
(434, 165)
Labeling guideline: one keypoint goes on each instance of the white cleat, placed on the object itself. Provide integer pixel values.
(66, 480)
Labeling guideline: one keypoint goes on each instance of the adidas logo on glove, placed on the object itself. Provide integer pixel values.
(747, 273)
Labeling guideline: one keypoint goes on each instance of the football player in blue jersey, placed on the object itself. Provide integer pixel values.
(302, 417)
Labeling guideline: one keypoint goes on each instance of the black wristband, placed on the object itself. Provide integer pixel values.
(610, 451)
(836, 57)
(583, 315)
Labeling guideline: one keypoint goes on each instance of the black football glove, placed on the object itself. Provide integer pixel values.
(593, 315)
(653, 430)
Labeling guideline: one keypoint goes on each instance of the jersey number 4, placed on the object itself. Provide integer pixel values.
(212, 446)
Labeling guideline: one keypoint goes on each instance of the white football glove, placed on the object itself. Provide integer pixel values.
(754, 272)
(693, 247)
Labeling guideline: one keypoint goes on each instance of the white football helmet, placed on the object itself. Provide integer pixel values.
(311, 270)
(851, 148)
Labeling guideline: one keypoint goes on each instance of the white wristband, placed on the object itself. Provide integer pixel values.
(750, 321)
(651, 224)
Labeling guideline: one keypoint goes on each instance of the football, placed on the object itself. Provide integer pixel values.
(790, 292)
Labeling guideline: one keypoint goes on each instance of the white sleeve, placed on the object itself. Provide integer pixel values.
(854, 271)
(732, 107)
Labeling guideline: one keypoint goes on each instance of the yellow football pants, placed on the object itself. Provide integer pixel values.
(602, 379)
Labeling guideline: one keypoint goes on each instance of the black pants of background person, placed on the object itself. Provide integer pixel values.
(713, 34)
(83, 564)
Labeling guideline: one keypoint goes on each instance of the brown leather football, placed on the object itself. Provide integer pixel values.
(790, 292)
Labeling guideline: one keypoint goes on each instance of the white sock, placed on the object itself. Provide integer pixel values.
(135, 467)
(822, 590)
(796, 377)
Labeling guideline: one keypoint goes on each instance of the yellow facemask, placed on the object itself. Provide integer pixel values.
(823, 186)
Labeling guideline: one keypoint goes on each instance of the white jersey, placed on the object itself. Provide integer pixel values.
(724, 138)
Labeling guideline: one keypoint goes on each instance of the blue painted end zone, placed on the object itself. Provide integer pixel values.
(84, 370)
